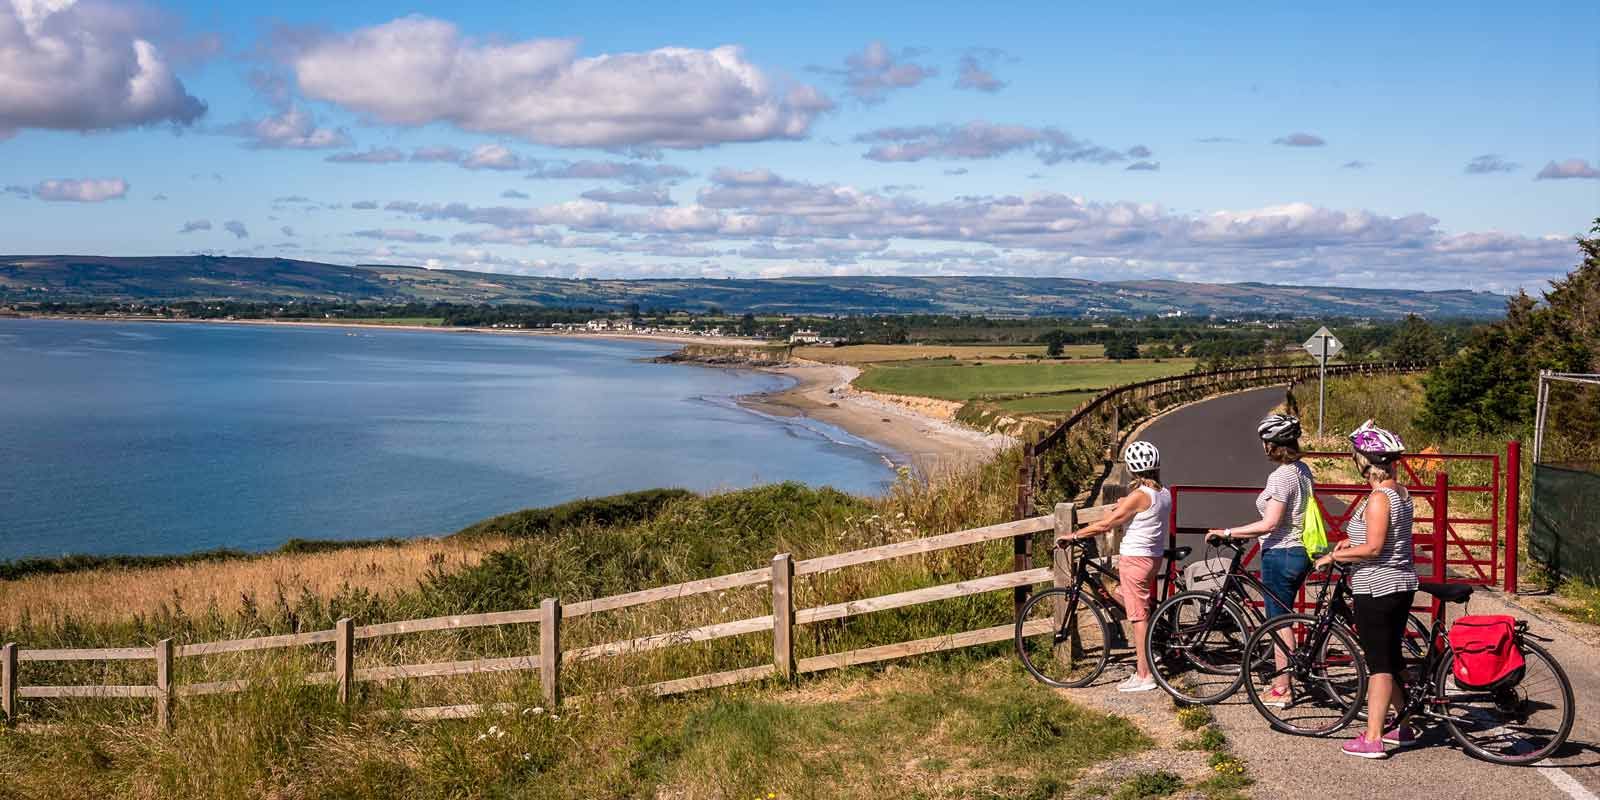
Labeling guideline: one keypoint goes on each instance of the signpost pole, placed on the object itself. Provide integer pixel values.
(1322, 346)
(1322, 386)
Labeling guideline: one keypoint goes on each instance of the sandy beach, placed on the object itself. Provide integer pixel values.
(922, 439)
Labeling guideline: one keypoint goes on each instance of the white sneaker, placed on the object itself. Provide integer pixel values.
(1134, 683)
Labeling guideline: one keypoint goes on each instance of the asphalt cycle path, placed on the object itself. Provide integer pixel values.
(1214, 443)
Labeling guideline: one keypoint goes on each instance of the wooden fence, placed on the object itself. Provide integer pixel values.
(781, 574)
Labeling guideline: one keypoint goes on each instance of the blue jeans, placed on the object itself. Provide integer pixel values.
(1282, 571)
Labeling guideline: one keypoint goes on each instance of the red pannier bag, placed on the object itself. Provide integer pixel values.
(1486, 652)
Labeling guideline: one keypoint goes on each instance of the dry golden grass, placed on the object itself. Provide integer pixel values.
(114, 595)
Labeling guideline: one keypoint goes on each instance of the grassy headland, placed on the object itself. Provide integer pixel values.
(936, 727)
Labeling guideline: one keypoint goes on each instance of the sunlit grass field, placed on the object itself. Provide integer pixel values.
(879, 353)
(964, 381)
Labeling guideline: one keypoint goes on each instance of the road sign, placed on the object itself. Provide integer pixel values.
(1323, 345)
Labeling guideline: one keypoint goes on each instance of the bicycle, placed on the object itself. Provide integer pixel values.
(1062, 634)
(1517, 721)
(1197, 645)
(1325, 668)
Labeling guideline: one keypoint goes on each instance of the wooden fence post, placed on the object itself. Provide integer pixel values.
(1062, 570)
(8, 682)
(550, 651)
(163, 654)
(344, 657)
(1022, 546)
(783, 615)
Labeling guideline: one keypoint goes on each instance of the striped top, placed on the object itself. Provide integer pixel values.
(1392, 569)
(1287, 485)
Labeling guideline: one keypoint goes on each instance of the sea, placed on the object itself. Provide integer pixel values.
(157, 438)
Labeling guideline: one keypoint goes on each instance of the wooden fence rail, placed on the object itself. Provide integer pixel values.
(781, 622)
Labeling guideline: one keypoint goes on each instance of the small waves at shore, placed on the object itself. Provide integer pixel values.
(804, 427)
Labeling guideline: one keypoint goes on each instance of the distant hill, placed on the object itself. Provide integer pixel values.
(81, 278)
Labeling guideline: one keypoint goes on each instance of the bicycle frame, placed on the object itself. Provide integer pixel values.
(1088, 568)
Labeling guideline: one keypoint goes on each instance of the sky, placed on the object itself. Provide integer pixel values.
(1430, 146)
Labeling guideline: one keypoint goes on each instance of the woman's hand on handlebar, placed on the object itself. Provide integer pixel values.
(1326, 562)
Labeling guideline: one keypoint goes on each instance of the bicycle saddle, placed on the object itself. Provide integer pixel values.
(1448, 592)
(1178, 553)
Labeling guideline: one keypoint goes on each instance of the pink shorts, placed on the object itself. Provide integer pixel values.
(1138, 576)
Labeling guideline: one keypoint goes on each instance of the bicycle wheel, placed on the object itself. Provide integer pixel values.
(1058, 649)
(1317, 673)
(1196, 654)
(1518, 724)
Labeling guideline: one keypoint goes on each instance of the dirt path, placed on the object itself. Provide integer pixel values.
(1213, 443)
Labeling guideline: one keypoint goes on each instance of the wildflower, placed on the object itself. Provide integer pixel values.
(482, 736)
(536, 710)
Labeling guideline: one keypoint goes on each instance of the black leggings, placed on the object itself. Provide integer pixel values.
(1380, 627)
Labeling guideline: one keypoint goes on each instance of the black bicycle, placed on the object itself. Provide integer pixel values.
(1198, 641)
(1521, 719)
(1063, 635)
(1323, 676)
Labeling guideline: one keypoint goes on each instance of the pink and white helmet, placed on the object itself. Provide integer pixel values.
(1376, 443)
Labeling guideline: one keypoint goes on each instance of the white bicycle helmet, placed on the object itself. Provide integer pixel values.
(1279, 428)
(1142, 457)
(1376, 443)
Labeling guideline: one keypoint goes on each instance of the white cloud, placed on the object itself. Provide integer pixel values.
(195, 225)
(637, 196)
(980, 140)
(975, 71)
(417, 70)
(397, 235)
(1300, 140)
(875, 71)
(294, 128)
(236, 228)
(384, 155)
(89, 190)
(86, 66)
(1039, 233)
(1571, 168)
(1489, 163)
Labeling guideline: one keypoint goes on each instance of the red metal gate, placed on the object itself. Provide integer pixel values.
(1457, 531)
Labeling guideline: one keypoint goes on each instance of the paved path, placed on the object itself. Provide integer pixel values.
(1214, 443)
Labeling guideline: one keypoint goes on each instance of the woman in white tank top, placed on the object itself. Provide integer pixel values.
(1147, 514)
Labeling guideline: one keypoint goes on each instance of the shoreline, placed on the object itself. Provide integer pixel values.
(824, 392)
(282, 323)
(907, 436)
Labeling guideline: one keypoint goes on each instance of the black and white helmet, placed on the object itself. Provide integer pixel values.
(1142, 457)
(1279, 428)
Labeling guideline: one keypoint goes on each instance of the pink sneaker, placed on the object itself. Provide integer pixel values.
(1362, 747)
(1401, 736)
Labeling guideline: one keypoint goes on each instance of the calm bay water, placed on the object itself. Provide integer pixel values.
(167, 438)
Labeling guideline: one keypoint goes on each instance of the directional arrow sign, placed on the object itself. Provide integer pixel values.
(1323, 345)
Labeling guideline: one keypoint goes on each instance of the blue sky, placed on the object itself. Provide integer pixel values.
(1446, 146)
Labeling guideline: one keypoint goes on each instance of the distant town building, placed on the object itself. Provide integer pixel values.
(807, 336)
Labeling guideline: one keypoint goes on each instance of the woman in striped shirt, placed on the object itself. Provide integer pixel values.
(1384, 583)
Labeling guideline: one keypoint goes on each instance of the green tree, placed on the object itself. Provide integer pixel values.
(1055, 342)
(1123, 347)
(747, 324)
(1490, 383)
(1415, 341)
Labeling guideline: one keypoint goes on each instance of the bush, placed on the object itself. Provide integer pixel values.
(617, 508)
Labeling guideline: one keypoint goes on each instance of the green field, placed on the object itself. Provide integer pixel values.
(963, 381)
(879, 353)
(1049, 405)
